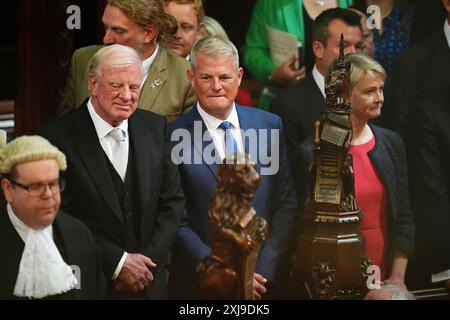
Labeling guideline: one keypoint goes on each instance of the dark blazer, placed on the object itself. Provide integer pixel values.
(431, 179)
(90, 194)
(75, 244)
(419, 72)
(275, 201)
(389, 159)
(298, 107)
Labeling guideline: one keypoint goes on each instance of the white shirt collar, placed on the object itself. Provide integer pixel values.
(217, 134)
(147, 63)
(101, 126)
(319, 79)
(42, 270)
(447, 31)
(212, 123)
(22, 228)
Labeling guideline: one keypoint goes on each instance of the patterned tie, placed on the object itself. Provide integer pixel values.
(120, 158)
(231, 146)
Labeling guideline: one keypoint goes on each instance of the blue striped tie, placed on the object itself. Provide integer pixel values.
(231, 146)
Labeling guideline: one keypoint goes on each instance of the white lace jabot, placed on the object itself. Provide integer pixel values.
(42, 270)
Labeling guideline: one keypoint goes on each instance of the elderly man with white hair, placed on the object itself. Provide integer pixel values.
(121, 181)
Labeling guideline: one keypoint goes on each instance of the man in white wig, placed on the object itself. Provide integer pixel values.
(44, 252)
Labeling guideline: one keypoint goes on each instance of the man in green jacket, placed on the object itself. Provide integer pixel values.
(143, 26)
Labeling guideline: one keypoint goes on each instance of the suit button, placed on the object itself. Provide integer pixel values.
(131, 234)
(130, 213)
(119, 240)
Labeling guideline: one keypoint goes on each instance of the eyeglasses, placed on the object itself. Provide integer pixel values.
(38, 189)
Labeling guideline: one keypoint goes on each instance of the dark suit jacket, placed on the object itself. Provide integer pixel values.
(298, 107)
(419, 72)
(275, 201)
(389, 159)
(90, 194)
(431, 159)
(75, 244)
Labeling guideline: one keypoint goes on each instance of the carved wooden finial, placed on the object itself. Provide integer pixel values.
(236, 231)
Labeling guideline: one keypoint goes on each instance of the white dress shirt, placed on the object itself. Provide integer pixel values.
(103, 128)
(217, 134)
(147, 63)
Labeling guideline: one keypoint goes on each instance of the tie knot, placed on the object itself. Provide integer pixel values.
(225, 125)
(117, 134)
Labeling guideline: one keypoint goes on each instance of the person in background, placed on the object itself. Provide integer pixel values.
(211, 27)
(299, 106)
(189, 15)
(419, 78)
(431, 185)
(143, 26)
(393, 35)
(418, 73)
(292, 16)
(369, 47)
(39, 243)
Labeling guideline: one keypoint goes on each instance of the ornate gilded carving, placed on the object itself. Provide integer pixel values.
(237, 233)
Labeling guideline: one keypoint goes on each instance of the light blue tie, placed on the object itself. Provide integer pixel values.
(231, 146)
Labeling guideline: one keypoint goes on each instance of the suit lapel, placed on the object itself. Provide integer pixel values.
(61, 233)
(157, 76)
(247, 122)
(141, 143)
(385, 169)
(91, 153)
(199, 144)
(315, 95)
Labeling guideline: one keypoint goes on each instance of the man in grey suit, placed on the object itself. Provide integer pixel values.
(143, 26)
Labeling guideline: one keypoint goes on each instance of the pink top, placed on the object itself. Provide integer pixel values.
(371, 197)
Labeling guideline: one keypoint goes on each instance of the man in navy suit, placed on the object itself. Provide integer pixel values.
(215, 76)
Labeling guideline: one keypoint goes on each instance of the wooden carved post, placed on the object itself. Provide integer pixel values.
(237, 233)
(330, 260)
